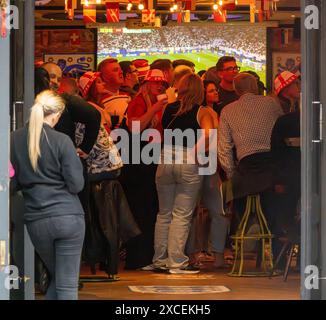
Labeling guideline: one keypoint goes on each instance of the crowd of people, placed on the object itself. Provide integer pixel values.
(86, 201)
(234, 40)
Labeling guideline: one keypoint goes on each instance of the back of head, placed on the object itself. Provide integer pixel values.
(179, 72)
(161, 64)
(211, 75)
(190, 92)
(183, 62)
(42, 80)
(46, 103)
(245, 83)
(125, 67)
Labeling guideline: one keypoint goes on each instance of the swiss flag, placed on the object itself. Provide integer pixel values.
(148, 15)
(112, 12)
(89, 13)
(75, 38)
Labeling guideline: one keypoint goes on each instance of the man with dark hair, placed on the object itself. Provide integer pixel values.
(184, 62)
(165, 65)
(227, 69)
(130, 75)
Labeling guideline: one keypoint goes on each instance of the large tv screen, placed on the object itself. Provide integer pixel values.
(201, 44)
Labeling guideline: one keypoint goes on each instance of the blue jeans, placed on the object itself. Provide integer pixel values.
(58, 241)
(178, 186)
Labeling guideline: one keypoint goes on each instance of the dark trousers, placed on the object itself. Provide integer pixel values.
(58, 241)
(138, 182)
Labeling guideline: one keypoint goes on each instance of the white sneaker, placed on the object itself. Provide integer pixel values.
(150, 267)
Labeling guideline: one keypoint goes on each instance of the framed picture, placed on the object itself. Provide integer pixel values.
(73, 64)
(283, 61)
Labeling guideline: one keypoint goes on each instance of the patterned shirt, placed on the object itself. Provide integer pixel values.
(246, 125)
(104, 156)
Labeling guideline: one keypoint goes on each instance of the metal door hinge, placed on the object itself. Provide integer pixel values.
(3, 246)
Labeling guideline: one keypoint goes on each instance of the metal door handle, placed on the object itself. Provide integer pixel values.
(319, 139)
(14, 117)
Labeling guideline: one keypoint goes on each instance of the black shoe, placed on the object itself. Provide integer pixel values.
(161, 270)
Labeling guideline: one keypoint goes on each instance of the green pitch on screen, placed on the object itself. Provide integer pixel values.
(202, 61)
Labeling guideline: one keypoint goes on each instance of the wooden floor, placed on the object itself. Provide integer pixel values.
(240, 288)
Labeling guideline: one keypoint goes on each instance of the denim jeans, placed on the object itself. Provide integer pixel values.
(178, 186)
(59, 240)
(219, 225)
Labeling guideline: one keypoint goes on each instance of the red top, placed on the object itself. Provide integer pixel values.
(137, 108)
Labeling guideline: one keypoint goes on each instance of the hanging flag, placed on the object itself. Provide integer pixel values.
(112, 12)
(187, 16)
(229, 5)
(89, 13)
(3, 26)
(190, 5)
(148, 15)
(179, 17)
(219, 15)
(252, 11)
(70, 6)
(260, 7)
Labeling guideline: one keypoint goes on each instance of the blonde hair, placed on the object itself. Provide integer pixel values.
(179, 73)
(245, 83)
(191, 92)
(46, 103)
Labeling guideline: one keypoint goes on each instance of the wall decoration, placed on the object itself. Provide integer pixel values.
(286, 61)
(66, 41)
(74, 64)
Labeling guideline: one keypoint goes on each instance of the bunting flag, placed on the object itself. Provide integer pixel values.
(70, 6)
(89, 13)
(187, 16)
(190, 5)
(252, 11)
(229, 5)
(3, 26)
(112, 12)
(179, 17)
(219, 16)
(148, 15)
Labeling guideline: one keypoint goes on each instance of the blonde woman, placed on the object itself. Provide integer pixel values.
(50, 175)
(178, 184)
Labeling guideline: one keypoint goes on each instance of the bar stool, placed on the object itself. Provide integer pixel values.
(253, 210)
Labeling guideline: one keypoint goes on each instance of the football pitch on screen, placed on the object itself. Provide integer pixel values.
(202, 60)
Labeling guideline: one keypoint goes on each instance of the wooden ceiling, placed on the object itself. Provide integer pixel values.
(52, 14)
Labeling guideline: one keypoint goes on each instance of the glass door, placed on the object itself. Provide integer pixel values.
(313, 209)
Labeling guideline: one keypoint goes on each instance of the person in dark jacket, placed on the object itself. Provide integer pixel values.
(77, 111)
(50, 175)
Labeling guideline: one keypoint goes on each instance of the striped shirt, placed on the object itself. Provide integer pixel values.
(246, 125)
